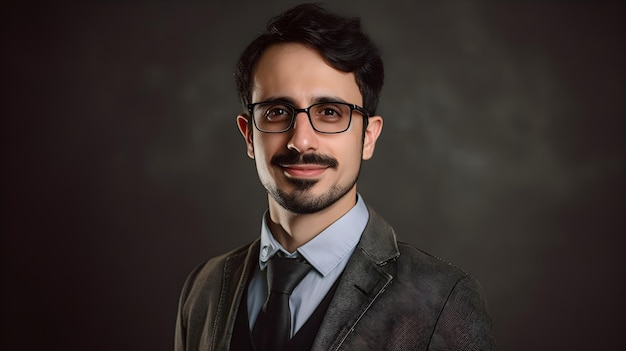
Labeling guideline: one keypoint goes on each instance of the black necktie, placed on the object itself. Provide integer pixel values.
(272, 329)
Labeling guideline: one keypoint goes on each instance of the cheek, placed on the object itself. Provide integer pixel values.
(265, 147)
(356, 157)
(352, 152)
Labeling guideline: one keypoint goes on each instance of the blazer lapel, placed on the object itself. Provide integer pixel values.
(236, 276)
(365, 277)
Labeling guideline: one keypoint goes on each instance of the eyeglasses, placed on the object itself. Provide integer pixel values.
(325, 117)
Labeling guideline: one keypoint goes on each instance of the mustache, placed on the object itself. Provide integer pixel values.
(294, 158)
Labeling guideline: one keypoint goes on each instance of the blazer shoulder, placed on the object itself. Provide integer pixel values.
(416, 267)
(380, 243)
(208, 294)
(215, 267)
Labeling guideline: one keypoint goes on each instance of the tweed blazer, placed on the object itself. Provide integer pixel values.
(391, 296)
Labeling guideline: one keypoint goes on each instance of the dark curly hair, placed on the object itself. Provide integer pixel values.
(339, 40)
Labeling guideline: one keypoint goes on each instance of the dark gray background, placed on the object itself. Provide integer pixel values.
(122, 168)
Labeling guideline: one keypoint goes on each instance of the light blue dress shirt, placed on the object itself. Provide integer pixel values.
(328, 253)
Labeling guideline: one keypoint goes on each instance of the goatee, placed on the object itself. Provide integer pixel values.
(300, 200)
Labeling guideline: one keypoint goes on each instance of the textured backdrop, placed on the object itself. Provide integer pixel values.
(122, 168)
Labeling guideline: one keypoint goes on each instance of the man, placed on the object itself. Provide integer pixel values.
(310, 86)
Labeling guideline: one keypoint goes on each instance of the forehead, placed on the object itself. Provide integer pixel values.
(300, 73)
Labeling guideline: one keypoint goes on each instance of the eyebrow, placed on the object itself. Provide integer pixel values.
(315, 100)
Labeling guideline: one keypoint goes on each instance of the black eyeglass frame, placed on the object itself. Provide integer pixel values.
(296, 111)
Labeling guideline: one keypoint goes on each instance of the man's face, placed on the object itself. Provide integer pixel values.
(305, 171)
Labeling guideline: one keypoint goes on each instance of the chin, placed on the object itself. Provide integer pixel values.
(301, 184)
(302, 199)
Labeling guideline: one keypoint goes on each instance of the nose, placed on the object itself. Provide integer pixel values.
(303, 136)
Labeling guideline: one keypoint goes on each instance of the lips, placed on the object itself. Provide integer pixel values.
(304, 170)
(303, 166)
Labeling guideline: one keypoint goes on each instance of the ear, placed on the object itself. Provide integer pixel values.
(374, 128)
(246, 132)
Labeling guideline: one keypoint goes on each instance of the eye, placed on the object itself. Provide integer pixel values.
(277, 113)
(330, 112)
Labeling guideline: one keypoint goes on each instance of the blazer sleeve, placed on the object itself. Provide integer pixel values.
(464, 323)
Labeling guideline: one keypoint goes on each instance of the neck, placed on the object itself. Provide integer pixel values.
(293, 230)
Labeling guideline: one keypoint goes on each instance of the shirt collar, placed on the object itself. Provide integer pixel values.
(328, 248)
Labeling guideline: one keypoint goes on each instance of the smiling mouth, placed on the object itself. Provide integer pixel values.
(303, 170)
